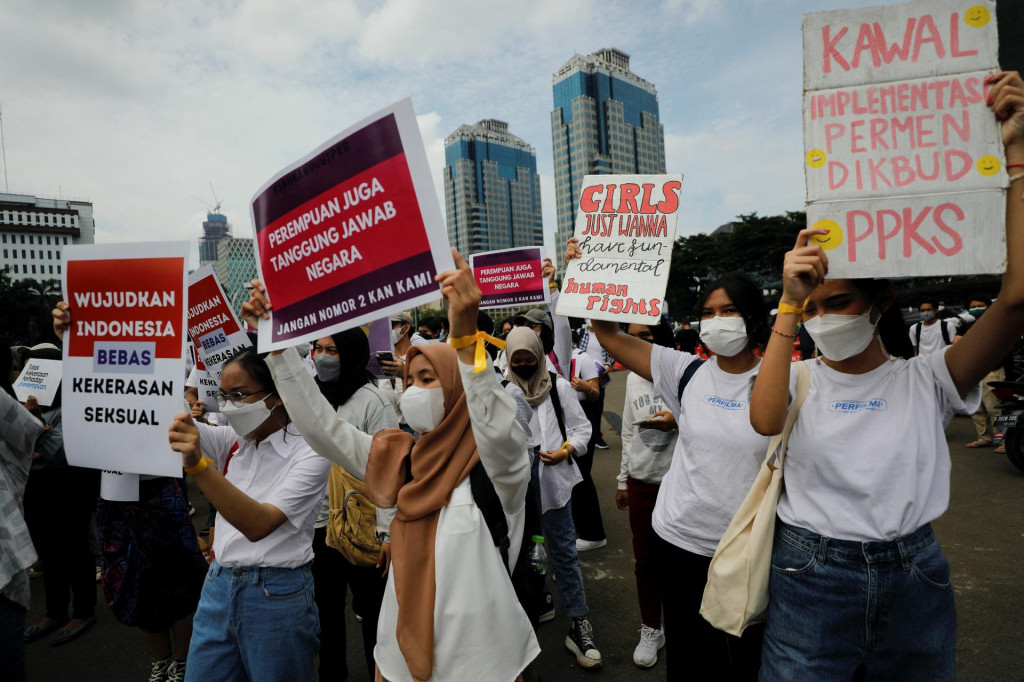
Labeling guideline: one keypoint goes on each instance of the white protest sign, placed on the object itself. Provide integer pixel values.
(118, 486)
(900, 146)
(215, 332)
(626, 225)
(124, 355)
(40, 378)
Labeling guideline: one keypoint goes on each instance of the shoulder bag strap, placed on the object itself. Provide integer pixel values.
(779, 443)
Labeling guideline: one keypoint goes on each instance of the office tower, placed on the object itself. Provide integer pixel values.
(34, 231)
(215, 228)
(605, 121)
(236, 267)
(491, 189)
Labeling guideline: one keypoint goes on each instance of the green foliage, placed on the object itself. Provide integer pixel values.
(25, 309)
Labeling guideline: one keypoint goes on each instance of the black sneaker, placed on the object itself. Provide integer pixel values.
(580, 641)
(547, 609)
(600, 444)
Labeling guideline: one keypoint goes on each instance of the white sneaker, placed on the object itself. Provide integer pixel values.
(587, 545)
(646, 653)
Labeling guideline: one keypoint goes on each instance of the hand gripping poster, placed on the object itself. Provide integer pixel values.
(903, 158)
(214, 330)
(124, 355)
(626, 226)
(351, 232)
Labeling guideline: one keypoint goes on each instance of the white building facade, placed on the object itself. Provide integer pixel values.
(35, 230)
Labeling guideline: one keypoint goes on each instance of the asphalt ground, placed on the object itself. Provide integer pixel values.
(982, 534)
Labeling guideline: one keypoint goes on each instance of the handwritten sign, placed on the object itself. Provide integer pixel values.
(904, 160)
(626, 225)
(350, 232)
(40, 378)
(215, 332)
(124, 355)
(510, 277)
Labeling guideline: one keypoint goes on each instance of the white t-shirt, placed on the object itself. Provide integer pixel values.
(931, 336)
(717, 454)
(557, 480)
(867, 457)
(595, 349)
(583, 367)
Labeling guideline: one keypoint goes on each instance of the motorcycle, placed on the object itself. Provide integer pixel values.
(1009, 426)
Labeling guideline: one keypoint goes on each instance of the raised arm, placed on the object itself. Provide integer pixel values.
(989, 339)
(562, 330)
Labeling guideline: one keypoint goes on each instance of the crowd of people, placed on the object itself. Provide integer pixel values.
(438, 494)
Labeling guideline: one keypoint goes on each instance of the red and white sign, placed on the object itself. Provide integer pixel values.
(510, 277)
(124, 355)
(903, 158)
(350, 232)
(215, 332)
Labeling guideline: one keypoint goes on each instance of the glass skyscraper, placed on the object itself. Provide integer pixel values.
(605, 121)
(491, 189)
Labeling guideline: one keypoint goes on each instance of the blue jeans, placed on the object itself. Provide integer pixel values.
(560, 535)
(258, 624)
(878, 610)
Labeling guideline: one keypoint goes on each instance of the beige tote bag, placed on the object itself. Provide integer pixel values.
(736, 595)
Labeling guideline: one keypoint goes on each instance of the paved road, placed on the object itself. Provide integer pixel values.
(982, 533)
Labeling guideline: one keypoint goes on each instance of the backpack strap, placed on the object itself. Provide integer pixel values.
(556, 402)
(688, 373)
(917, 331)
(487, 500)
(945, 332)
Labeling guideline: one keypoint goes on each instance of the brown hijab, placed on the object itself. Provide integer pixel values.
(420, 479)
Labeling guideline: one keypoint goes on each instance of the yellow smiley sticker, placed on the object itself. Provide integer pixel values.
(816, 158)
(977, 16)
(829, 241)
(988, 165)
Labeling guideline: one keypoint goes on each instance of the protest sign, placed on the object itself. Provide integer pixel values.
(215, 332)
(510, 277)
(124, 355)
(350, 232)
(40, 378)
(118, 486)
(903, 159)
(626, 225)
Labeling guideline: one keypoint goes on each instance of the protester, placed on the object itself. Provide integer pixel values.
(860, 588)
(716, 458)
(985, 415)
(686, 338)
(591, 345)
(17, 441)
(449, 611)
(256, 618)
(430, 328)
(59, 504)
(648, 433)
(931, 334)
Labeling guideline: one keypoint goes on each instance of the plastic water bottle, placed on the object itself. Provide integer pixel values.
(538, 578)
(538, 557)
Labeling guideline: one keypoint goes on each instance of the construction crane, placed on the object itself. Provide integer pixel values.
(215, 208)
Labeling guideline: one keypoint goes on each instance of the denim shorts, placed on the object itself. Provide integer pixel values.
(880, 610)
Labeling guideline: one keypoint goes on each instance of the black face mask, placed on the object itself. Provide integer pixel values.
(524, 371)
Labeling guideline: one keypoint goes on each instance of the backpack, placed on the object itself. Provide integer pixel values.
(942, 326)
(352, 519)
(688, 373)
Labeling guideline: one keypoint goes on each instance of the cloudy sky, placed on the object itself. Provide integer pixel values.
(138, 106)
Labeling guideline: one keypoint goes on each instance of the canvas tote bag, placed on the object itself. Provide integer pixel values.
(736, 595)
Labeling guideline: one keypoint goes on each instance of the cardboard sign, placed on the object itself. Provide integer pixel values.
(215, 332)
(40, 378)
(900, 146)
(351, 232)
(626, 225)
(124, 355)
(510, 277)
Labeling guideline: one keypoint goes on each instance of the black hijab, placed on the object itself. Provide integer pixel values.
(354, 353)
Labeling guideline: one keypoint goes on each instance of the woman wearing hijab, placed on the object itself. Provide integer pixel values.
(449, 611)
(344, 557)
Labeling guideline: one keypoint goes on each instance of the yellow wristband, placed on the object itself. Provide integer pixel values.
(480, 339)
(787, 309)
(198, 468)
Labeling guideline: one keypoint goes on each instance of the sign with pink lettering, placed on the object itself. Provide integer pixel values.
(903, 158)
(626, 226)
(510, 277)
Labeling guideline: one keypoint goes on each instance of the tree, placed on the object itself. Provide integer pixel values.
(25, 309)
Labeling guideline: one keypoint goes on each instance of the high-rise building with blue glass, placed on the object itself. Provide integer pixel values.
(605, 121)
(491, 189)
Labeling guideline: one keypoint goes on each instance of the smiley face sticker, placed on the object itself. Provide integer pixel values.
(829, 241)
(816, 158)
(977, 16)
(988, 165)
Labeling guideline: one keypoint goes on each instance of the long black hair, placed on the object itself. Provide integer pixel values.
(748, 299)
(354, 353)
(891, 329)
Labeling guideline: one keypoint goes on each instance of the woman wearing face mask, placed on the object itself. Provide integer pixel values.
(715, 459)
(341, 376)
(256, 618)
(648, 436)
(859, 586)
(450, 611)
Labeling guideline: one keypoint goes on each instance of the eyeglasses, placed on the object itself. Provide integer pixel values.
(238, 399)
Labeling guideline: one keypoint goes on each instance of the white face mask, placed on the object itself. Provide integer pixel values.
(247, 418)
(725, 336)
(423, 408)
(396, 335)
(839, 337)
